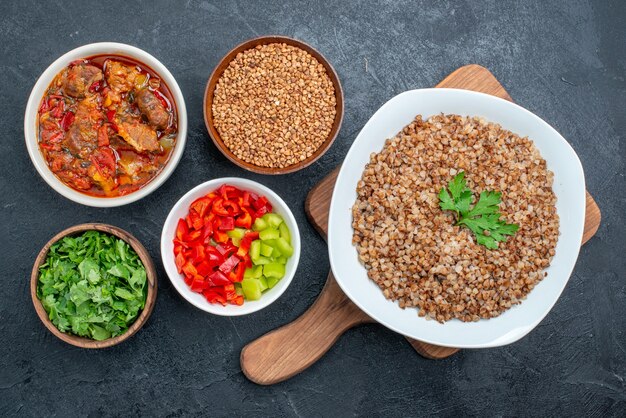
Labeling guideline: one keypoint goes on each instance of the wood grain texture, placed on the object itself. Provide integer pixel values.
(476, 78)
(151, 279)
(288, 350)
(292, 348)
(593, 218)
(219, 70)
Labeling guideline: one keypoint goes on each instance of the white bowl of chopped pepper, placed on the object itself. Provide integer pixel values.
(93, 285)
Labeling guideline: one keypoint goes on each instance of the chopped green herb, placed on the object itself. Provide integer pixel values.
(483, 219)
(92, 285)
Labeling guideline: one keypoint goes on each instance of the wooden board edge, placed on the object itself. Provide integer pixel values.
(592, 211)
(465, 79)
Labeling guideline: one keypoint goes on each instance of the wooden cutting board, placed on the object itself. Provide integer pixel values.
(286, 351)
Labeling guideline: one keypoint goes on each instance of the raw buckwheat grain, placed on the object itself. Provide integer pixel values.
(274, 105)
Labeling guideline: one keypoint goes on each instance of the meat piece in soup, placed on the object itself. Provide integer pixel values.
(152, 108)
(121, 77)
(81, 138)
(79, 78)
(139, 135)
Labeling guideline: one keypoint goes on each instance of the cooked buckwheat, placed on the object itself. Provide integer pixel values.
(413, 250)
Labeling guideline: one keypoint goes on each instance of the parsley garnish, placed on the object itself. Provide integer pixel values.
(483, 219)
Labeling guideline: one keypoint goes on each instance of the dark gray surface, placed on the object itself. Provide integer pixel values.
(564, 60)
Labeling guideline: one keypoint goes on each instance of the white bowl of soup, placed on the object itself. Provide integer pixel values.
(105, 124)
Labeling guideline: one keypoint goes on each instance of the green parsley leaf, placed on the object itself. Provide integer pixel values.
(446, 202)
(457, 185)
(119, 270)
(488, 203)
(464, 201)
(99, 333)
(124, 294)
(483, 219)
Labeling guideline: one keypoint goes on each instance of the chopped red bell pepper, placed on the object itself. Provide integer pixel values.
(247, 261)
(180, 243)
(238, 300)
(244, 220)
(50, 147)
(260, 202)
(193, 235)
(58, 110)
(218, 207)
(43, 108)
(214, 297)
(251, 235)
(67, 120)
(226, 223)
(197, 254)
(204, 269)
(227, 266)
(237, 274)
(201, 205)
(104, 160)
(189, 269)
(228, 192)
(245, 199)
(218, 279)
(180, 261)
(189, 222)
(207, 232)
(198, 284)
(181, 230)
(214, 257)
(220, 237)
(231, 295)
(262, 211)
(231, 207)
(56, 138)
(196, 221)
(226, 249)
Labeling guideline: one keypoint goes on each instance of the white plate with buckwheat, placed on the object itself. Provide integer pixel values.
(409, 252)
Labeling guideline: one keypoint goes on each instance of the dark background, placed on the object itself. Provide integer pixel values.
(565, 61)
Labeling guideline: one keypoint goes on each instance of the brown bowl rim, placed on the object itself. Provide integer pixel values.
(150, 274)
(219, 70)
